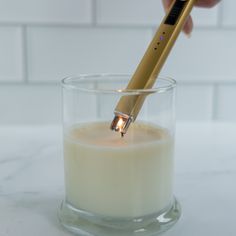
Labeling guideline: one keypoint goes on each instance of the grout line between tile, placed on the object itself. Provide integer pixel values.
(20, 84)
(24, 54)
(215, 99)
(25, 48)
(180, 82)
(94, 12)
(103, 26)
(220, 15)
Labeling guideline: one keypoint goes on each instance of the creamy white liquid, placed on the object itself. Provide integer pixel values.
(118, 177)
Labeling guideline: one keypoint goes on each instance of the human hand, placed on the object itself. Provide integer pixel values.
(188, 27)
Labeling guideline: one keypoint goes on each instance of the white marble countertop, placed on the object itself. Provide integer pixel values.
(31, 180)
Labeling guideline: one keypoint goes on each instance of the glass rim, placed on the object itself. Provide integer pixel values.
(67, 83)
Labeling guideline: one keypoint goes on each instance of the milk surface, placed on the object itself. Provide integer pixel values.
(108, 175)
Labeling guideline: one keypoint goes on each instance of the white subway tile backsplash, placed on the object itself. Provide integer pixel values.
(46, 11)
(141, 12)
(207, 56)
(11, 65)
(30, 104)
(226, 97)
(80, 50)
(205, 17)
(135, 12)
(229, 16)
(65, 37)
(54, 53)
(194, 102)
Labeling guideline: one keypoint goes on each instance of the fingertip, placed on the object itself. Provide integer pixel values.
(188, 27)
(166, 4)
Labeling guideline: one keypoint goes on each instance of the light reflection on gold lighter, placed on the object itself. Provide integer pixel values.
(147, 71)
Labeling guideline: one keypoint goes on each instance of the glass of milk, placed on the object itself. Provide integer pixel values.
(117, 185)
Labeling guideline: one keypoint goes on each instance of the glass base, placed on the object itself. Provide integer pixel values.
(86, 224)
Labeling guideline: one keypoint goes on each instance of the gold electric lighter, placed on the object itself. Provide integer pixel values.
(150, 66)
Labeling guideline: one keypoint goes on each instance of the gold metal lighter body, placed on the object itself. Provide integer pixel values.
(152, 62)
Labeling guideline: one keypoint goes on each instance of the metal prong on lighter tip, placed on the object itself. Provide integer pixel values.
(121, 123)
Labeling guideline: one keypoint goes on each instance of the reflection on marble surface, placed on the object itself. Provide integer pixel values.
(31, 180)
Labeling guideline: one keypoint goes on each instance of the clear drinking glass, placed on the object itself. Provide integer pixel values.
(118, 185)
